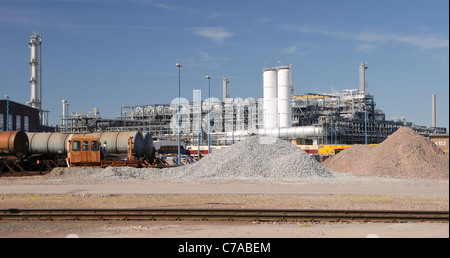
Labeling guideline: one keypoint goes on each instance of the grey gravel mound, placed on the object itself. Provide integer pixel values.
(256, 157)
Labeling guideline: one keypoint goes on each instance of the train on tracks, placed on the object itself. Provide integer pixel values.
(38, 153)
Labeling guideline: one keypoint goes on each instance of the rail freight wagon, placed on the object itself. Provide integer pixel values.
(38, 153)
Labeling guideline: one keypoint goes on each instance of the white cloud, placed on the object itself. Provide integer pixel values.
(366, 48)
(203, 59)
(290, 50)
(433, 40)
(216, 34)
(179, 9)
(423, 40)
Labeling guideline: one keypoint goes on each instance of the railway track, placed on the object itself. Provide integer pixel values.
(261, 215)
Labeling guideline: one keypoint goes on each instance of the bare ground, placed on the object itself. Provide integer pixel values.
(368, 193)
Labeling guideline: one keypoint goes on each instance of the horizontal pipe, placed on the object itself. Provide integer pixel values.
(288, 132)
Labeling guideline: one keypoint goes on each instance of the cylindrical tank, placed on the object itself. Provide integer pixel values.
(148, 144)
(49, 143)
(117, 142)
(58, 143)
(14, 143)
(284, 98)
(270, 99)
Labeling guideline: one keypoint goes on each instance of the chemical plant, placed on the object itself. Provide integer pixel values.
(349, 117)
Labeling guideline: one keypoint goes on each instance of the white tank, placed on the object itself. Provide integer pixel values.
(284, 97)
(270, 99)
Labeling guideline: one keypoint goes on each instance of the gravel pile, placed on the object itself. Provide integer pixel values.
(256, 157)
(404, 154)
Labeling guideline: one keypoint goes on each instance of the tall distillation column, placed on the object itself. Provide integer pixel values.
(362, 78)
(64, 113)
(225, 88)
(36, 74)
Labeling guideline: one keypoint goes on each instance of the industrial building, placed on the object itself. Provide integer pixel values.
(15, 116)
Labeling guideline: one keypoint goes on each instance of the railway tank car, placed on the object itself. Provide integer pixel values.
(57, 144)
(39, 152)
(117, 142)
(14, 143)
(49, 144)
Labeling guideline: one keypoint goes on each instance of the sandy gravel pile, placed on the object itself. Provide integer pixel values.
(404, 154)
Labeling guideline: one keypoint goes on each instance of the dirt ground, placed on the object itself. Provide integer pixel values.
(180, 229)
(376, 193)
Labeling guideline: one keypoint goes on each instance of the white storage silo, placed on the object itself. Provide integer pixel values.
(284, 97)
(270, 99)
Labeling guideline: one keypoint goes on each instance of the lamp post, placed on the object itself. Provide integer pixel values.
(199, 103)
(179, 120)
(365, 127)
(125, 120)
(232, 123)
(7, 112)
(67, 116)
(209, 111)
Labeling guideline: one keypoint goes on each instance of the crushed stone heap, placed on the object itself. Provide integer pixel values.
(258, 157)
(404, 154)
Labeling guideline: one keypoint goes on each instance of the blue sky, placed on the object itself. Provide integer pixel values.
(110, 53)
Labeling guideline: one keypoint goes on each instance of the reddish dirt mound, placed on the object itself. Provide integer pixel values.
(404, 154)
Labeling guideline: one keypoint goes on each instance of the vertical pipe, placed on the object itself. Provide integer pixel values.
(232, 123)
(125, 120)
(433, 113)
(179, 118)
(318, 134)
(67, 115)
(40, 81)
(209, 112)
(365, 127)
(7, 112)
(199, 102)
(331, 132)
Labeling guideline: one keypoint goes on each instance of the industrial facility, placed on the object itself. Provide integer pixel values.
(346, 118)
(349, 117)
